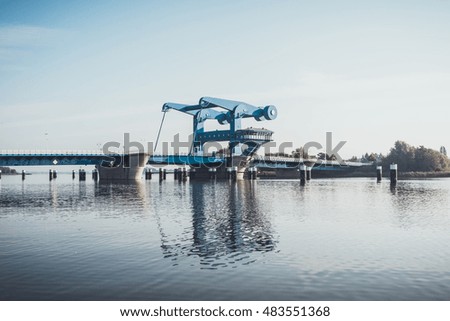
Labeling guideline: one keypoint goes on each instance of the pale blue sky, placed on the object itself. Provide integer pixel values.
(85, 72)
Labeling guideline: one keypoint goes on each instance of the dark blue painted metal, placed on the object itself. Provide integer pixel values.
(88, 159)
(184, 160)
(54, 159)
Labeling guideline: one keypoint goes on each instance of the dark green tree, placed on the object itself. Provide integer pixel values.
(412, 159)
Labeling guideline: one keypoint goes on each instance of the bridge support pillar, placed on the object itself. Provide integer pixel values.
(130, 169)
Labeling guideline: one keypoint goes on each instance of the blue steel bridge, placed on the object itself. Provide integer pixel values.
(243, 144)
(54, 158)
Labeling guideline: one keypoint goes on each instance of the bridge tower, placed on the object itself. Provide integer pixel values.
(242, 143)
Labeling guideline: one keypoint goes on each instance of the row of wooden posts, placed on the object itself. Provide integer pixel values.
(393, 169)
(53, 174)
(181, 174)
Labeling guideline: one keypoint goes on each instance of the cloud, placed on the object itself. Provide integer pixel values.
(17, 40)
(19, 36)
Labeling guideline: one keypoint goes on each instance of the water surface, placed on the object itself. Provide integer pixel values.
(343, 239)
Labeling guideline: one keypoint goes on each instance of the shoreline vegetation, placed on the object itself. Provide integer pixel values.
(413, 163)
(8, 171)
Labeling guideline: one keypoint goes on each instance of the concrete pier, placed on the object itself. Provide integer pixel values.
(130, 169)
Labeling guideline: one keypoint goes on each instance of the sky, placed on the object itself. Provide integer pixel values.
(77, 74)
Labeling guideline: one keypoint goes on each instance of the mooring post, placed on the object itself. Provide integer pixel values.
(55, 174)
(23, 174)
(212, 173)
(0, 174)
(393, 173)
(379, 173)
(50, 174)
(160, 175)
(164, 174)
(308, 173)
(148, 173)
(302, 174)
(192, 174)
(175, 174)
(184, 174)
(95, 174)
(73, 174)
(81, 175)
(234, 171)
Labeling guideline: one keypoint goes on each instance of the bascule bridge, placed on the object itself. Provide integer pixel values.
(243, 143)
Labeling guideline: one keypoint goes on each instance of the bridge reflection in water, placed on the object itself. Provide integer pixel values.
(227, 226)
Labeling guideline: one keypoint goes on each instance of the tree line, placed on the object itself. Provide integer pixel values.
(417, 159)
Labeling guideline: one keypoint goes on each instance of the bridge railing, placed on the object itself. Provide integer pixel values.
(14, 152)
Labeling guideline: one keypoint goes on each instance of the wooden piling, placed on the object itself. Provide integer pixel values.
(302, 174)
(379, 173)
(308, 173)
(393, 174)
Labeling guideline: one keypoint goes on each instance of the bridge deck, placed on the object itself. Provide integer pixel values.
(10, 158)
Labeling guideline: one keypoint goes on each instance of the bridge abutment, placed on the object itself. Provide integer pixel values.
(130, 169)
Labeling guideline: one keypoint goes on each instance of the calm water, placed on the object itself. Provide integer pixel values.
(347, 239)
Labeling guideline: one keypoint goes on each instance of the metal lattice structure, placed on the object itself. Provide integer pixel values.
(226, 112)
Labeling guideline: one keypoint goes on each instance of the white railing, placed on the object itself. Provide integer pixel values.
(49, 152)
(280, 159)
